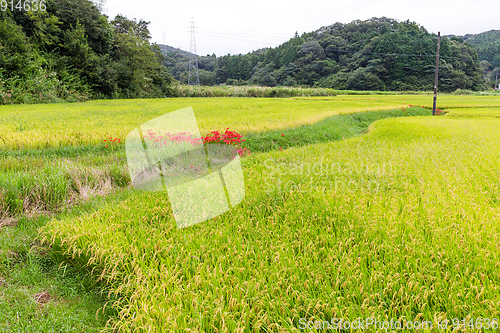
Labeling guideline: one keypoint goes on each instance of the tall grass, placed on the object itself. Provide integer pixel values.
(53, 186)
(266, 92)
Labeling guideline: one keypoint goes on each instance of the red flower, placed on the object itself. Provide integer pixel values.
(282, 134)
(228, 137)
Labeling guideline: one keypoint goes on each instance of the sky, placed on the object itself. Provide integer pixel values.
(230, 27)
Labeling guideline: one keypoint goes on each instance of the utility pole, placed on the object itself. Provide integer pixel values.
(436, 76)
(193, 75)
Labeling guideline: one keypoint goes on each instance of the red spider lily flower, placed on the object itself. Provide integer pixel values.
(282, 134)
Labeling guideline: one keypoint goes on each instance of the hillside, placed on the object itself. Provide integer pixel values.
(170, 49)
(487, 45)
(376, 54)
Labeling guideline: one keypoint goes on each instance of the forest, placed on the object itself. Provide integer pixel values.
(487, 45)
(72, 52)
(376, 54)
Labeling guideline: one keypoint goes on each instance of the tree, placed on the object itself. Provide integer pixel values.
(97, 28)
(123, 25)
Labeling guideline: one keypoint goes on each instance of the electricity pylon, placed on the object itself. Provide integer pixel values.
(193, 75)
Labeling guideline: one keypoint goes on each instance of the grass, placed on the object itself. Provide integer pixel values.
(40, 180)
(45, 183)
(38, 295)
(258, 91)
(334, 128)
(400, 223)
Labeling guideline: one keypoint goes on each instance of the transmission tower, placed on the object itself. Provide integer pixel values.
(193, 75)
(164, 46)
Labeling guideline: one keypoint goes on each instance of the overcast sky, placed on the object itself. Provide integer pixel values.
(224, 26)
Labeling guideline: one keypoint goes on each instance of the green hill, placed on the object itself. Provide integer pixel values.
(487, 45)
(376, 54)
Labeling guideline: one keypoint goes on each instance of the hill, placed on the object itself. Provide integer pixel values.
(376, 54)
(487, 45)
(170, 49)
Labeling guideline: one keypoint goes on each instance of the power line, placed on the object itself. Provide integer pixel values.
(246, 32)
(238, 39)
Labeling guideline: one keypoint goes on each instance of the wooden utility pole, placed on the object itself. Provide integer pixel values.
(436, 76)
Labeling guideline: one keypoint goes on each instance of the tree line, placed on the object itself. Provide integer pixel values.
(72, 52)
(376, 54)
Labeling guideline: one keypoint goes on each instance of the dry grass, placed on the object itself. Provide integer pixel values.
(43, 193)
(8, 222)
(43, 298)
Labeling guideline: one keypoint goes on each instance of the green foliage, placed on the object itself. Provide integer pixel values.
(125, 26)
(72, 53)
(487, 45)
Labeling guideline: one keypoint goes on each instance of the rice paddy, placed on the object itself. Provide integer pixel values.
(394, 218)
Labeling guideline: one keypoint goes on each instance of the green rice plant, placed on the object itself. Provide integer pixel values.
(24, 127)
(475, 112)
(339, 127)
(88, 171)
(40, 294)
(402, 224)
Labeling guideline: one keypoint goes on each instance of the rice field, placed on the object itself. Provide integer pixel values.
(79, 124)
(401, 223)
(475, 112)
